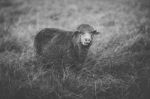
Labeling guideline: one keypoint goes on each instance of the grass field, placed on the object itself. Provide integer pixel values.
(118, 63)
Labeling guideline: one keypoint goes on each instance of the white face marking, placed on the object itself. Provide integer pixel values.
(85, 38)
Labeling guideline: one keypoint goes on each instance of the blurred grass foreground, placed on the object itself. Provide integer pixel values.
(118, 64)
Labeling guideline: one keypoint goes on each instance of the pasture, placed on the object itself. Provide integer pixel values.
(118, 62)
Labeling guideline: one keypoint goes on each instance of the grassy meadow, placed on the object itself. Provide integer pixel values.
(118, 62)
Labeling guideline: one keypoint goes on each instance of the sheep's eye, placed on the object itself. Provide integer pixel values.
(93, 32)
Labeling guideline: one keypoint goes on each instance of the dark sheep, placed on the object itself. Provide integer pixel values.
(58, 46)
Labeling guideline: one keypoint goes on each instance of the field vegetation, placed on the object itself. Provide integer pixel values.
(118, 63)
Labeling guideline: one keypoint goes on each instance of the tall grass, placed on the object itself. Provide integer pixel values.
(117, 66)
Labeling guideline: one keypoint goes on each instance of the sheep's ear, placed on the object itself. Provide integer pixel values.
(95, 32)
(76, 33)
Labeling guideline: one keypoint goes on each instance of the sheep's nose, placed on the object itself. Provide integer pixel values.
(87, 40)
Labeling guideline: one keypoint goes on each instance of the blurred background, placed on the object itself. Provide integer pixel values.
(118, 64)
